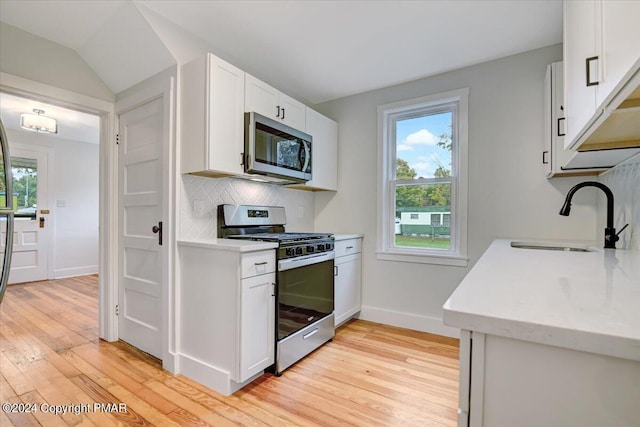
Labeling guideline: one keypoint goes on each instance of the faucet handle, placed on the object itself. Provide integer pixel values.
(621, 230)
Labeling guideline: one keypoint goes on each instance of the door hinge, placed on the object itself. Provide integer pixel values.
(117, 310)
(117, 138)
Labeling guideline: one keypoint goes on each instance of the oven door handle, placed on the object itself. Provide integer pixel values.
(303, 261)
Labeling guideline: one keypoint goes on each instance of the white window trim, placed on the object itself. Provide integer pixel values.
(459, 193)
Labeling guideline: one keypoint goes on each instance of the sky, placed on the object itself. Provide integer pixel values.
(416, 142)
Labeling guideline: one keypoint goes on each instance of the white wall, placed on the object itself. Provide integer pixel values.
(508, 194)
(74, 170)
(31, 57)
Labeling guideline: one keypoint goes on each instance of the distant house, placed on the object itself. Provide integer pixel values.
(428, 221)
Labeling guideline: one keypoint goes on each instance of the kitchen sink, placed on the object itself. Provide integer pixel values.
(552, 246)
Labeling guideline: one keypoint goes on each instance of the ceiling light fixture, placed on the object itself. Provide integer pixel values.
(38, 122)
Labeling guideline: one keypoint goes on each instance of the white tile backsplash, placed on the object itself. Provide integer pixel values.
(624, 181)
(201, 197)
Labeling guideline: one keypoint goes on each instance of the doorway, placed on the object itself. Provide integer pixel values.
(102, 112)
(56, 190)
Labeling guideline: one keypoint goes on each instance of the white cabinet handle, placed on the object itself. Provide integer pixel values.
(261, 263)
(349, 247)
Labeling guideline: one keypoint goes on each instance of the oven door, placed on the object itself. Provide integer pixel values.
(305, 291)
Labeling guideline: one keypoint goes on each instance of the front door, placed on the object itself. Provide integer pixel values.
(30, 243)
(140, 192)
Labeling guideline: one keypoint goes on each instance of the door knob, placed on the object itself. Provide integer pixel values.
(157, 229)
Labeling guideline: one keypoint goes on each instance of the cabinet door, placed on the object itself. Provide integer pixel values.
(324, 149)
(548, 122)
(581, 33)
(225, 141)
(292, 112)
(620, 43)
(261, 98)
(257, 325)
(348, 278)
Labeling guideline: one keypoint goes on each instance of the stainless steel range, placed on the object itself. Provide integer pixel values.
(304, 284)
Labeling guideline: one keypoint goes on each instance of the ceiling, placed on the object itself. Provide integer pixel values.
(315, 51)
(72, 125)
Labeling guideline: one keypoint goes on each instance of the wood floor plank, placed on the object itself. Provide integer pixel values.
(370, 375)
(5, 421)
(198, 412)
(14, 377)
(209, 398)
(44, 418)
(100, 395)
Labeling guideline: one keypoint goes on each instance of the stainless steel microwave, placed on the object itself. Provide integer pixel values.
(276, 150)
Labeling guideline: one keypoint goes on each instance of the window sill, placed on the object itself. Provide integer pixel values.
(450, 260)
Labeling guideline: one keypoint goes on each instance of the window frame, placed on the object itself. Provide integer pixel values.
(388, 115)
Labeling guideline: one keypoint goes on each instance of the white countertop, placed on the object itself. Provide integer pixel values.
(230, 245)
(347, 236)
(587, 301)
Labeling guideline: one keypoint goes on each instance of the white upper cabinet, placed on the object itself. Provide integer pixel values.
(212, 115)
(620, 43)
(602, 63)
(324, 152)
(271, 103)
(214, 98)
(559, 160)
(580, 44)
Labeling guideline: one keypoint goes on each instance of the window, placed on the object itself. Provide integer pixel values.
(25, 185)
(423, 179)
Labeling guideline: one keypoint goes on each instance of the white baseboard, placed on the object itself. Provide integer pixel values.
(416, 322)
(170, 362)
(209, 375)
(75, 271)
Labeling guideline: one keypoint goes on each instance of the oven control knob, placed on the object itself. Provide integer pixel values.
(298, 251)
(329, 246)
(310, 249)
(320, 247)
(289, 251)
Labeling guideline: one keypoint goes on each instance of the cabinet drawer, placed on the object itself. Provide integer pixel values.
(256, 263)
(348, 247)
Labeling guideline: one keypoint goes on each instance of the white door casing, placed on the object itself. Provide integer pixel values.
(30, 260)
(141, 199)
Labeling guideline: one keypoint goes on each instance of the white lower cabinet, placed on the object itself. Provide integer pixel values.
(227, 315)
(257, 325)
(506, 382)
(348, 279)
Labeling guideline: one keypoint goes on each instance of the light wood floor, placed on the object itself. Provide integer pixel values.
(370, 375)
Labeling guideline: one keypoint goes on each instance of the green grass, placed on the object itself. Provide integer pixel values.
(422, 242)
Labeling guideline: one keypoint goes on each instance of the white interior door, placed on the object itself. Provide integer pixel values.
(140, 194)
(29, 262)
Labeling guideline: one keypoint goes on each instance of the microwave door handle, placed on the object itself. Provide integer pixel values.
(307, 156)
(300, 161)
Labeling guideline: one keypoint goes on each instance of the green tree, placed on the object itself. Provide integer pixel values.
(404, 171)
(408, 195)
(25, 185)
